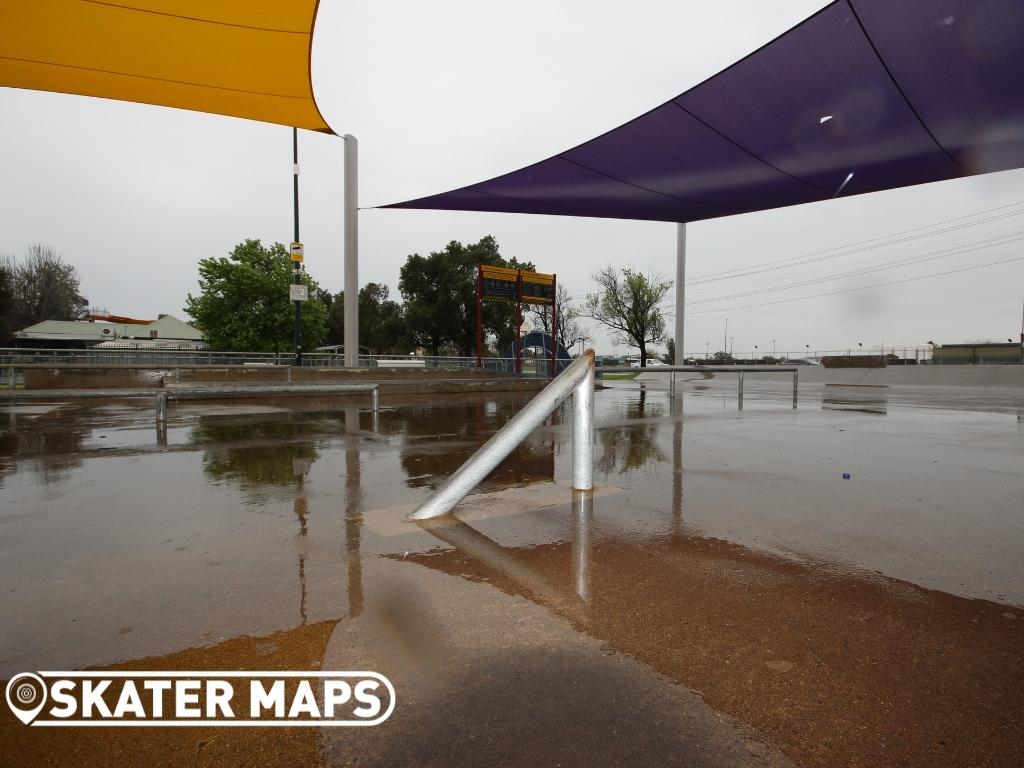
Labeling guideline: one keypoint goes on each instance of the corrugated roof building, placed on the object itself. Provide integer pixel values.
(167, 331)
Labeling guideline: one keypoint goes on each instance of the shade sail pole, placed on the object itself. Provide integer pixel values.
(680, 291)
(351, 252)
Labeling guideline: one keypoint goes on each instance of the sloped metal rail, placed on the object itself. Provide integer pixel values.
(576, 380)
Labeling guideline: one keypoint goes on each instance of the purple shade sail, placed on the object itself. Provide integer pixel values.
(864, 95)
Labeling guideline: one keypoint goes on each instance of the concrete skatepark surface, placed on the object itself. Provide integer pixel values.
(730, 598)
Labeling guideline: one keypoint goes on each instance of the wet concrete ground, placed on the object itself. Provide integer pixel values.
(727, 598)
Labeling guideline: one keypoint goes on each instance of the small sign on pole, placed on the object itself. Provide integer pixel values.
(296, 251)
(298, 292)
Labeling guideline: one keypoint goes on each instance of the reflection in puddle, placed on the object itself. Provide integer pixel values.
(47, 436)
(461, 430)
(864, 398)
(628, 447)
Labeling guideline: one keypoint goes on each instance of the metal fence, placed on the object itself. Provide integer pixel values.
(910, 354)
(191, 358)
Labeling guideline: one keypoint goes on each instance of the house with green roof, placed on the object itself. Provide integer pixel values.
(166, 332)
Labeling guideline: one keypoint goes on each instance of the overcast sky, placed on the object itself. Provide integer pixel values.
(448, 93)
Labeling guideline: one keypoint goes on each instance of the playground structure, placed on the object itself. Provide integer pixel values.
(518, 287)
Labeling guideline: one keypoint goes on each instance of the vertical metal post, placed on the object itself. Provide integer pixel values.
(741, 391)
(479, 315)
(518, 349)
(672, 385)
(10, 377)
(794, 388)
(583, 432)
(582, 541)
(296, 265)
(375, 400)
(351, 251)
(161, 408)
(554, 326)
(680, 291)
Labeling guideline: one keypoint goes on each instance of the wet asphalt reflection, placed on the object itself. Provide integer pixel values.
(842, 578)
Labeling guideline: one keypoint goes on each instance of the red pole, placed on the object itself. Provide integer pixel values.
(479, 315)
(517, 349)
(554, 326)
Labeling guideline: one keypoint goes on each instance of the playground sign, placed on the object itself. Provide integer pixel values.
(518, 287)
(511, 285)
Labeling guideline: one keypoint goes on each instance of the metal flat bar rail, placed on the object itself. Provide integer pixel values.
(576, 380)
(162, 396)
(737, 369)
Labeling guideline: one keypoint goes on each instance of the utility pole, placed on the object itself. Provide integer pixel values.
(296, 265)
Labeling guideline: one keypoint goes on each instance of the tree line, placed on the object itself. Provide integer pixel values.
(242, 304)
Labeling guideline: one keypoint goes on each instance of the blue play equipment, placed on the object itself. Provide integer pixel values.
(543, 341)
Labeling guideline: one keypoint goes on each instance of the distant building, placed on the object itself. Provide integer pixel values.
(166, 332)
(979, 353)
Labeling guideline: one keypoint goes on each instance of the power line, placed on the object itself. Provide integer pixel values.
(851, 248)
(1012, 236)
(862, 287)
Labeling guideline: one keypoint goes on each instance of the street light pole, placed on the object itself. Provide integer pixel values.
(296, 265)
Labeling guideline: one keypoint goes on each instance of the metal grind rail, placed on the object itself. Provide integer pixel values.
(737, 369)
(163, 396)
(576, 380)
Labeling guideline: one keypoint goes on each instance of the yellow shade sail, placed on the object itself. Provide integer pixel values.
(242, 58)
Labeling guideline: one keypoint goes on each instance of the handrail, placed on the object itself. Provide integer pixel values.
(576, 380)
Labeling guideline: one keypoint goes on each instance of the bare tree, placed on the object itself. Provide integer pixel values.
(570, 331)
(43, 288)
(629, 306)
(6, 299)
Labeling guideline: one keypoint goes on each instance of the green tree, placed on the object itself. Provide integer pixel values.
(243, 302)
(629, 306)
(382, 326)
(41, 287)
(440, 297)
(669, 358)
